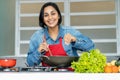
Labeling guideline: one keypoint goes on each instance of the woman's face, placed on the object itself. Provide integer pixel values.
(51, 17)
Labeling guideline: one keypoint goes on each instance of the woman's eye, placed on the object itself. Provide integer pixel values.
(45, 15)
(53, 13)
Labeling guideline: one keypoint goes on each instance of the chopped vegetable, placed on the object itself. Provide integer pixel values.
(90, 62)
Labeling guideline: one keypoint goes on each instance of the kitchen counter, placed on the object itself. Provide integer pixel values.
(58, 76)
(22, 60)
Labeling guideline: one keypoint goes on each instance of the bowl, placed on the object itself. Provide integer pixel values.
(7, 63)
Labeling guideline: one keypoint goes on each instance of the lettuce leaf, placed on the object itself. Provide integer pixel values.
(90, 62)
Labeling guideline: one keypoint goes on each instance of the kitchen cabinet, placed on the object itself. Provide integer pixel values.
(98, 19)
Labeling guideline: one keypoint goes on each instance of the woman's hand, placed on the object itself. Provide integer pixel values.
(68, 38)
(43, 47)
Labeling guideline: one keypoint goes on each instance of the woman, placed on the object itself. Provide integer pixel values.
(54, 39)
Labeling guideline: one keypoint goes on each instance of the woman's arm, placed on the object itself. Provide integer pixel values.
(82, 42)
(33, 56)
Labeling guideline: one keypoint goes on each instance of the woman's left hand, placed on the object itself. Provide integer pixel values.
(68, 38)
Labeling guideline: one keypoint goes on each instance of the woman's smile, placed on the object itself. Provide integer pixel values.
(51, 21)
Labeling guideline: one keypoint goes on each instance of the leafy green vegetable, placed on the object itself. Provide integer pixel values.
(90, 62)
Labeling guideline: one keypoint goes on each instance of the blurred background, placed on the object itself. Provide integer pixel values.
(7, 25)
(97, 19)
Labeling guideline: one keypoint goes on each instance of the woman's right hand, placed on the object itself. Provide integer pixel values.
(43, 47)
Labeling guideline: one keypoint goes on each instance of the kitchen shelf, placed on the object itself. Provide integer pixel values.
(106, 54)
(32, 14)
(29, 15)
(75, 27)
(94, 40)
(30, 28)
(72, 14)
(92, 13)
(104, 40)
(25, 42)
(95, 27)
(38, 1)
(88, 0)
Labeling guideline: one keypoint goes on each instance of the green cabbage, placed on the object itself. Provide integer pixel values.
(90, 62)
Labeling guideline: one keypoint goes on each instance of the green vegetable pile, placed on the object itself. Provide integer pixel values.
(90, 62)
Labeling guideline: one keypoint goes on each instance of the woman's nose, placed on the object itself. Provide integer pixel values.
(50, 16)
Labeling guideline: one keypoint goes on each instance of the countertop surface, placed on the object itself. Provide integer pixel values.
(58, 76)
